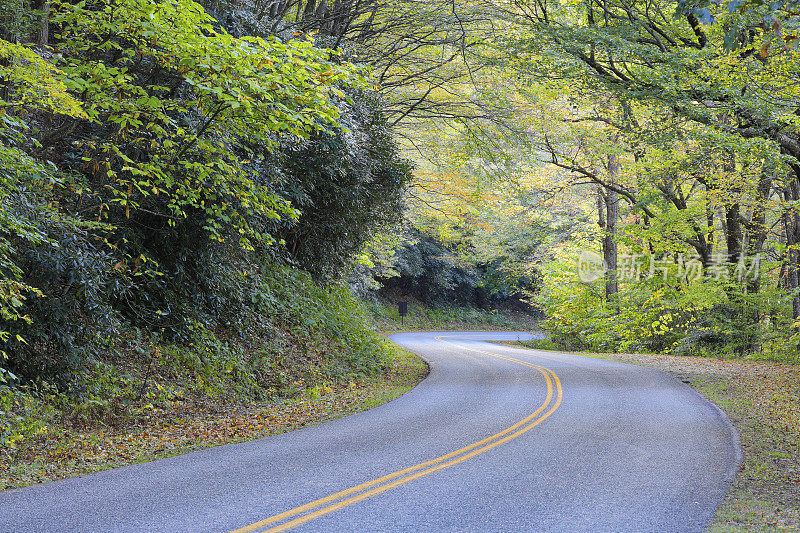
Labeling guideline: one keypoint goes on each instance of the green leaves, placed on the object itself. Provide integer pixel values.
(34, 83)
(180, 96)
(150, 115)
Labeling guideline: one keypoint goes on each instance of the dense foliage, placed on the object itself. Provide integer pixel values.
(152, 165)
(292, 336)
(446, 273)
(682, 145)
(662, 138)
(347, 183)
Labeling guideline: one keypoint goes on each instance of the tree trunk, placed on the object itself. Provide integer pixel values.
(732, 225)
(710, 234)
(757, 229)
(733, 237)
(609, 238)
(43, 35)
(792, 229)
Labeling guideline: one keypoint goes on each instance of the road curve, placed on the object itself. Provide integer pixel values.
(494, 439)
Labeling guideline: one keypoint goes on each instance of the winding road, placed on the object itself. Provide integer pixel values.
(494, 439)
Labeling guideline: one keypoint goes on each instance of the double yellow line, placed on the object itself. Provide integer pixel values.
(304, 513)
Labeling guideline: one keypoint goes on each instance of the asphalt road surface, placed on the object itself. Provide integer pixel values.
(494, 439)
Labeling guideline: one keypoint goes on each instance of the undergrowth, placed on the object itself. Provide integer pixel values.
(706, 319)
(296, 338)
(180, 427)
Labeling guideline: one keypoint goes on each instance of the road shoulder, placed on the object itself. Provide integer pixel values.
(186, 427)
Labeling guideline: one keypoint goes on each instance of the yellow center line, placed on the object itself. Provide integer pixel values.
(340, 499)
(393, 475)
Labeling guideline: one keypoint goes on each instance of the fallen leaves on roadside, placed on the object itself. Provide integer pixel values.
(183, 426)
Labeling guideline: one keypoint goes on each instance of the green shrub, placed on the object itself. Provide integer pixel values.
(147, 202)
(23, 414)
(718, 318)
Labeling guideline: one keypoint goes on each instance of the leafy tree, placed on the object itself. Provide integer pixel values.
(128, 151)
(348, 183)
(28, 82)
(433, 272)
(418, 51)
(171, 98)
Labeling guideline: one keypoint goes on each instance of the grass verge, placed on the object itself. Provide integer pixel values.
(184, 426)
(762, 400)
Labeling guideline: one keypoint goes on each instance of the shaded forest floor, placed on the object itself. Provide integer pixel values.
(762, 400)
(181, 427)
